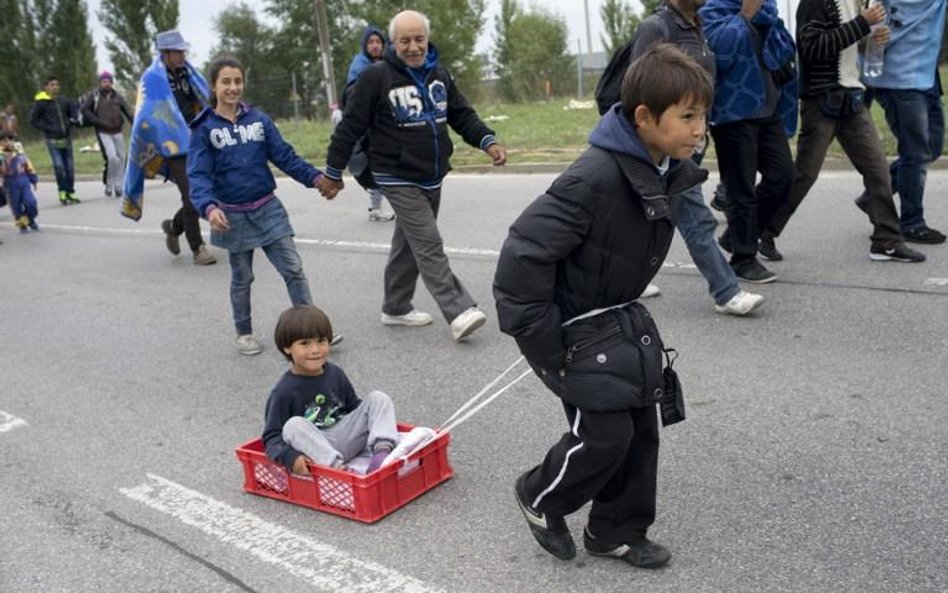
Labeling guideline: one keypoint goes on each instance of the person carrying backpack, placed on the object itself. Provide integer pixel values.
(106, 110)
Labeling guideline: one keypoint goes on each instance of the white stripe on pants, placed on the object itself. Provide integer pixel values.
(114, 147)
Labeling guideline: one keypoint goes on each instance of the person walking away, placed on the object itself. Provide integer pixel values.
(19, 181)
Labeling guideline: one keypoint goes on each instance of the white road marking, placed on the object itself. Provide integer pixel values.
(322, 565)
(936, 282)
(8, 422)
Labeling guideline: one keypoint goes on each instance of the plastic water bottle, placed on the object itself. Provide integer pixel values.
(875, 56)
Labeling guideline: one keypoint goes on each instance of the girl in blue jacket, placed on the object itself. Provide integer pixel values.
(232, 187)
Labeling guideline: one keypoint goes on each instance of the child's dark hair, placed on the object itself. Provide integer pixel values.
(301, 322)
(7, 135)
(661, 77)
(215, 69)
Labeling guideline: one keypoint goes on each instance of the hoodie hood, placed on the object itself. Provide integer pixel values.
(368, 32)
(615, 133)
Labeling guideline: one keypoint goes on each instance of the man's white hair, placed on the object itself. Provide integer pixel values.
(424, 20)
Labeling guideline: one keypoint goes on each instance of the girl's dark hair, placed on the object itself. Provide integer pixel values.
(661, 77)
(215, 70)
(302, 322)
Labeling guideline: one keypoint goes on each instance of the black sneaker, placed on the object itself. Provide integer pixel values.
(901, 252)
(550, 532)
(171, 240)
(725, 242)
(751, 270)
(718, 201)
(641, 553)
(924, 234)
(767, 249)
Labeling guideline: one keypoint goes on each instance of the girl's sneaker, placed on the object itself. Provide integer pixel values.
(34, 226)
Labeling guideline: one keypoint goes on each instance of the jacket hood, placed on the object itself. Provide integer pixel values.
(368, 32)
(615, 133)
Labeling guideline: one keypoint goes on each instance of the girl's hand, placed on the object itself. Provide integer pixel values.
(218, 220)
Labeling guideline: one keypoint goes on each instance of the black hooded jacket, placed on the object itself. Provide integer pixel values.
(595, 239)
(406, 118)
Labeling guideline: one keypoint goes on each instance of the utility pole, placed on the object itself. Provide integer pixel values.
(589, 47)
(579, 66)
(325, 49)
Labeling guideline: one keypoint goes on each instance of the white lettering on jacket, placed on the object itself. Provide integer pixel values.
(222, 137)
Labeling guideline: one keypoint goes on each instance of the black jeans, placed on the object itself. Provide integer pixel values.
(745, 148)
(186, 220)
(610, 458)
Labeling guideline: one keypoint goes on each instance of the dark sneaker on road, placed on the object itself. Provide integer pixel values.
(924, 234)
(641, 553)
(171, 239)
(767, 249)
(900, 253)
(753, 271)
(550, 532)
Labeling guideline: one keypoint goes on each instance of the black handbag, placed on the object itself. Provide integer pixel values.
(613, 362)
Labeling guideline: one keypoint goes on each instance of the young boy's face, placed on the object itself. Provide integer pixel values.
(677, 132)
(309, 356)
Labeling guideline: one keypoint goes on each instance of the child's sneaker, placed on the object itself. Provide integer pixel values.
(22, 222)
(34, 226)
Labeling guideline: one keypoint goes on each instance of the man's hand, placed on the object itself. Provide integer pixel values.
(881, 35)
(218, 220)
(328, 188)
(497, 154)
(750, 8)
(874, 14)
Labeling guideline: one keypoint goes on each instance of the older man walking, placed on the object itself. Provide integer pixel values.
(405, 103)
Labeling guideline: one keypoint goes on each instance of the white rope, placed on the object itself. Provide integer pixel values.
(473, 406)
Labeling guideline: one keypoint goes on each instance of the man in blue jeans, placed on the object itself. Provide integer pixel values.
(53, 115)
(677, 23)
(909, 91)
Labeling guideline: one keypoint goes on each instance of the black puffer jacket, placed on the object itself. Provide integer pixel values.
(595, 239)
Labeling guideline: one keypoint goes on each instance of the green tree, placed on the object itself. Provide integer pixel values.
(621, 22)
(64, 44)
(533, 60)
(19, 79)
(297, 45)
(242, 35)
(133, 25)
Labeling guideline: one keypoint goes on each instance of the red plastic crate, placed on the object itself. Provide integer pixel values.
(363, 498)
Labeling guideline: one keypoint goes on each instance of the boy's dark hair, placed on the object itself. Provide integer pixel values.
(302, 322)
(661, 77)
(50, 79)
(7, 135)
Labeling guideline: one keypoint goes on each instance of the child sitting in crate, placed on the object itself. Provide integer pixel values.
(313, 414)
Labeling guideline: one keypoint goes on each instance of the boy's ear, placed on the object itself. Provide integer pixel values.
(643, 115)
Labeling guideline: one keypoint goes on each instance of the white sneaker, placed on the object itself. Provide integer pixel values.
(650, 291)
(465, 323)
(379, 215)
(413, 317)
(741, 304)
(248, 345)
